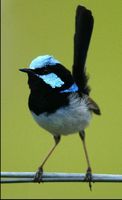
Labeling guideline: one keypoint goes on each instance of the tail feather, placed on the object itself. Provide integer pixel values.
(83, 30)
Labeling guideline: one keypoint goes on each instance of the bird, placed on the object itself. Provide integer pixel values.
(59, 100)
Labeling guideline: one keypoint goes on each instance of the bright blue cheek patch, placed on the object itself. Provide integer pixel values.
(73, 88)
(52, 79)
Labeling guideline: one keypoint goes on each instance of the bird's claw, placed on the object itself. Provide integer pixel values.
(38, 175)
(88, 177)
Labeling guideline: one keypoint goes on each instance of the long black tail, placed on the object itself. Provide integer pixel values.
(83, 30)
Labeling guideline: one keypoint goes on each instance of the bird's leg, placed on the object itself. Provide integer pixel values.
(38, 176)
(89, 171)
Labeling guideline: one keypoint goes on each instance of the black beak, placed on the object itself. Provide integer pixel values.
(27, 70)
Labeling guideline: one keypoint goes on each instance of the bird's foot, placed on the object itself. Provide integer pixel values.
(38, 175)
(88, 177)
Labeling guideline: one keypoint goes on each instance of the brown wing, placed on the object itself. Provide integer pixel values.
(93, 106)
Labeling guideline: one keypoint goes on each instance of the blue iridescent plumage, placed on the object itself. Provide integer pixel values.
(42, 61)
(73, 88)
(52, 79)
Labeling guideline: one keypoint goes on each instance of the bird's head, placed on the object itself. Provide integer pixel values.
(42, 71)
(48, 74)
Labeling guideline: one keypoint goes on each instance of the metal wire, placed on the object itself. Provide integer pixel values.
(28, 177)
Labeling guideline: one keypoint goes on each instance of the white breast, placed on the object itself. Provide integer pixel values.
(66, 120)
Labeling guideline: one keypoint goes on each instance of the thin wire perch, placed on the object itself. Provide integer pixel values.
(28, 177)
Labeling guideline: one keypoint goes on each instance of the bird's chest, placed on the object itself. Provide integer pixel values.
(66, 120)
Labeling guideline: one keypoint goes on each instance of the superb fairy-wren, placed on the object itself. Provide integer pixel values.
(59, 101)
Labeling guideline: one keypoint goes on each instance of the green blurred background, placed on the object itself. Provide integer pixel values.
(36, 27)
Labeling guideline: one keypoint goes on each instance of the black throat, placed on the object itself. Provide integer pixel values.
(40, 103)
(44, 97)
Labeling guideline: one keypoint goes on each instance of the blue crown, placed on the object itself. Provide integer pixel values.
(42, 61)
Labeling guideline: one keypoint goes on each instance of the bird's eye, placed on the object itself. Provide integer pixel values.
(45, 71)
(42, 71)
